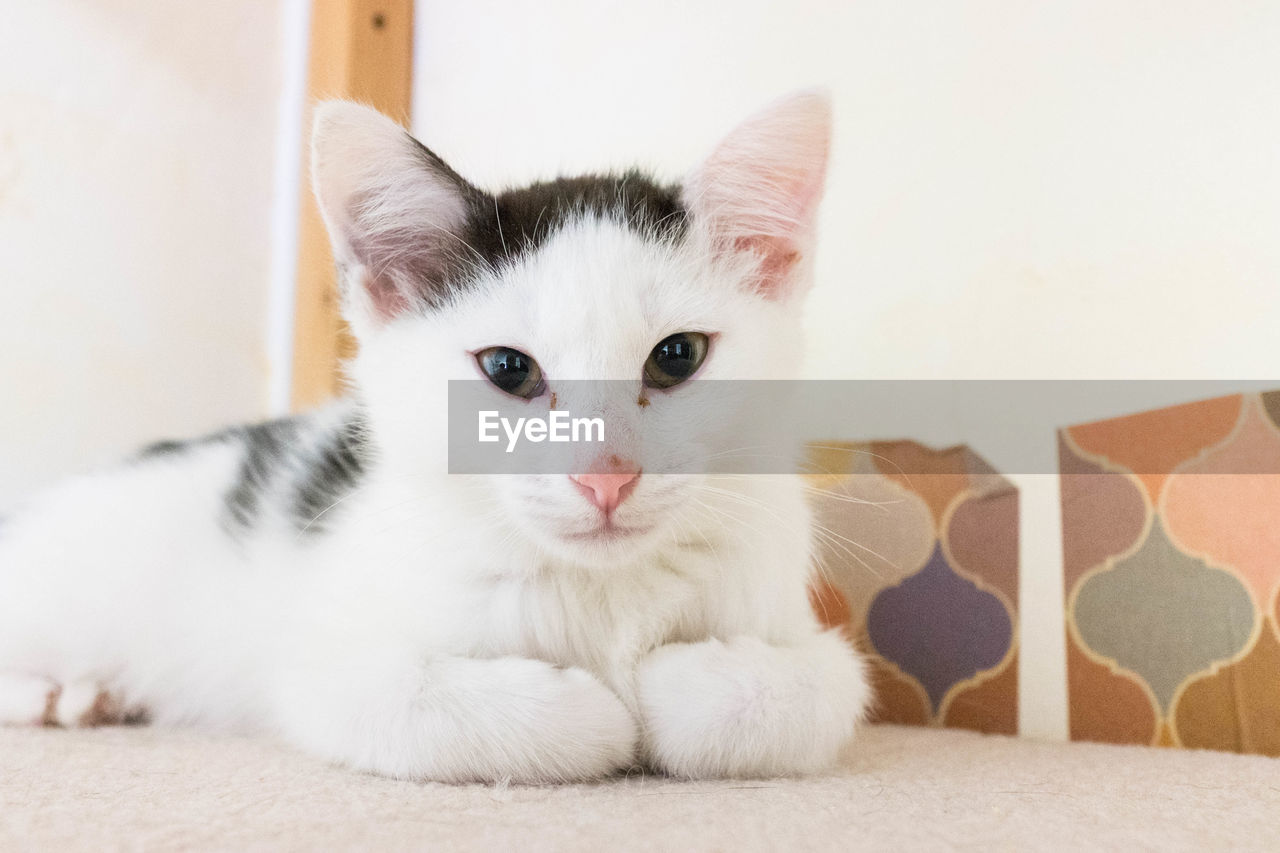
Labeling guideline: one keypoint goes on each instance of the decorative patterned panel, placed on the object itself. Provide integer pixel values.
(919, 561)
(1171, 538)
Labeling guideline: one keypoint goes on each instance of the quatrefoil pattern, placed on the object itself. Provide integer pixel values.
(919, 560)
(1171, 537)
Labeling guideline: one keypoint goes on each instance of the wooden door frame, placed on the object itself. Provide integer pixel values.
(360, 50)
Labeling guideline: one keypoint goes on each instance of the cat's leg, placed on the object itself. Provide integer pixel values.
(456, 719)
(749, 708)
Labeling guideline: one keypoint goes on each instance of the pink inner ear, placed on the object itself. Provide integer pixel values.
(387, 299)
(759, 190)
(768, 212)
(393, 208)
(778, 259)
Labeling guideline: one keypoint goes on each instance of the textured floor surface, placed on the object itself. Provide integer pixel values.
(900, 788)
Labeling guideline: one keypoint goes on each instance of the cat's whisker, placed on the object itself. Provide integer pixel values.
(829, 494)
(825, 532)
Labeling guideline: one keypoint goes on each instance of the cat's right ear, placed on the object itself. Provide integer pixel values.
(396, 213)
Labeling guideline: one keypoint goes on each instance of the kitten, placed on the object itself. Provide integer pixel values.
(324, 578)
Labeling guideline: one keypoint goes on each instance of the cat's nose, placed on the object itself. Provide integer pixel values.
(608, 487)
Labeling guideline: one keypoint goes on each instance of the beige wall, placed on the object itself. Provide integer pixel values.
(136, 157)
(1077, 189)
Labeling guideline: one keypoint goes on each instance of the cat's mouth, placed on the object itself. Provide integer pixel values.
(607, 531)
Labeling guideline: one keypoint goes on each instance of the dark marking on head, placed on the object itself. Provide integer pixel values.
(501, 228)
(520, 220)
(329, 474)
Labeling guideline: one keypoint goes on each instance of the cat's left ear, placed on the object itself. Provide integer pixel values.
(758, 192)
(396, 213)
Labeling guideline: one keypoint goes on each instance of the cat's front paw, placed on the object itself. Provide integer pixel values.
(458, 719)
(745, 708)
(565, 726)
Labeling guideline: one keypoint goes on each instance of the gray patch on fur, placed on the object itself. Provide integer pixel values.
(331, 473)
(169, 448)
(289, 468)
(266, 450)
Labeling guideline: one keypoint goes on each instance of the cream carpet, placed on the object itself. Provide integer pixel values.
(900, 788)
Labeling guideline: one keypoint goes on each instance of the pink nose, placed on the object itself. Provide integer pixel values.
(607, 490)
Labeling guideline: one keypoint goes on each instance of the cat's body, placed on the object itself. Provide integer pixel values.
(325, 578)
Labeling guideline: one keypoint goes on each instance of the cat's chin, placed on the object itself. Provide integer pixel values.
(605, 546)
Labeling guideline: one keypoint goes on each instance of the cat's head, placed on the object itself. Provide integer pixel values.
(614, 277)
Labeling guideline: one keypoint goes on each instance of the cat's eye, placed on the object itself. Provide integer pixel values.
(512, 371)
(675, 359)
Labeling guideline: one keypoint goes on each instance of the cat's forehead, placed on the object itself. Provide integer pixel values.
(584, 251)
(600, 276)
(594, 296)
(588, 272)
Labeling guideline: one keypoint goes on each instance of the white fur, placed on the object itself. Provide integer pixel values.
(437, 630)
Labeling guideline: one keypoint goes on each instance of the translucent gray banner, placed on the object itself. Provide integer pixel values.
(772, 427)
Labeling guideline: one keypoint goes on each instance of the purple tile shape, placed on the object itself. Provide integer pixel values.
(938, 627)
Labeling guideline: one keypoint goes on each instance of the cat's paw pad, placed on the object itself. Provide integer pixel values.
(86, 704)
(31, 700)
(28, 700)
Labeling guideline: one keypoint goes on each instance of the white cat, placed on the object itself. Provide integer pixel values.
(326, 579)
